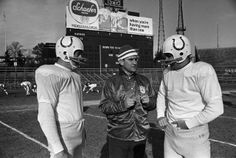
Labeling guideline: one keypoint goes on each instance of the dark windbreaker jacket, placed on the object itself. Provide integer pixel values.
(127, 124)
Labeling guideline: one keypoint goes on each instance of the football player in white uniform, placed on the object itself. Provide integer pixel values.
(189, 98)
(27, 86)
(90, 87)
(59, 94)
(93, 88)
(3, 88)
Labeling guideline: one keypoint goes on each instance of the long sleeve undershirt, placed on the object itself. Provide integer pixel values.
(46, 118)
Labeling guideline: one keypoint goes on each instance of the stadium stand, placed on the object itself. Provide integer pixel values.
(11, 77)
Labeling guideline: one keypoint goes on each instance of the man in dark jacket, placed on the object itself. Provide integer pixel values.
(126, 99)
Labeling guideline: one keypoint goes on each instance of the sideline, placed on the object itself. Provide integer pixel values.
(25, 135)
(87, 104)
(91, 102)
(222, 142)
(34, 108)
(96, 116)
(228, 117)
(213, 140)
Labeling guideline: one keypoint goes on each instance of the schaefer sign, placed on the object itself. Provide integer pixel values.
(85, 14)
(82, 14)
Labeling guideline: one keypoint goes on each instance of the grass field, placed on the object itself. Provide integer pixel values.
(21, 136)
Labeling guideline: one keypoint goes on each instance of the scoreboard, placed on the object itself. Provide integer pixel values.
(102, 47)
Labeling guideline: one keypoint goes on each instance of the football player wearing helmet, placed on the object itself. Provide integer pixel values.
(3, 88)
(176, 49)
(60, 103)
(189, 97)
(70, 49)
(27, 87)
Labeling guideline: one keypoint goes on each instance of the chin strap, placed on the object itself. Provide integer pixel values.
(169, 62)
(78, 61)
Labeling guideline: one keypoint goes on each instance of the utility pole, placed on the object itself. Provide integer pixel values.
(180, 27)
(161, 33)
(5, 31)
(217, 35)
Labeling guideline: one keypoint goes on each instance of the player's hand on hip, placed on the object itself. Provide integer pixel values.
(162, 122)
(62, 154)
(180, 124)
(144, 99)
(129, 102)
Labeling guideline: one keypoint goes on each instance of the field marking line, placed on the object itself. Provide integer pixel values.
(25, 135)
(100, 117)
(228, 117)
(23, 110)
(87, 103)
(213, 140)
(96, 116)
(218, 141)
(91, 102)
(17, 110)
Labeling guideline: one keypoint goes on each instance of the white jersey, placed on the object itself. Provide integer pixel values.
(193, 94)
(2, 85)
(61, 88)
(60, 100)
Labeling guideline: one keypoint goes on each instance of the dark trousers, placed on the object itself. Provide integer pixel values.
(126, 149)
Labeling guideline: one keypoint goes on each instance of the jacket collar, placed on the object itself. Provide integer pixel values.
(125, 75)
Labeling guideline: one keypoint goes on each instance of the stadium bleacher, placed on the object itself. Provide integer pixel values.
(13, 76)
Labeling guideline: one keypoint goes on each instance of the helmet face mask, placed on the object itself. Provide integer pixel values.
(176, 49)
(169, 59)
(70, 49)
(78, 58)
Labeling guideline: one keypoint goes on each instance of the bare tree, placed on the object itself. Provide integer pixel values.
(13, 53)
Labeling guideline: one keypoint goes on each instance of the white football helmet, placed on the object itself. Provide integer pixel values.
(177, 46)
(66, 48)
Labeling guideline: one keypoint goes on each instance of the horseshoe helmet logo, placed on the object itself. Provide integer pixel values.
(71, 42)
(181, 48)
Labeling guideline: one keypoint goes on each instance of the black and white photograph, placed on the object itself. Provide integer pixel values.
(117, 79)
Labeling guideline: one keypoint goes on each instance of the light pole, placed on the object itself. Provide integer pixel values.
(100, 59)
(5, 31)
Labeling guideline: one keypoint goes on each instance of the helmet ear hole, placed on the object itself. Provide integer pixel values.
(64, 53)
(181, 53)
